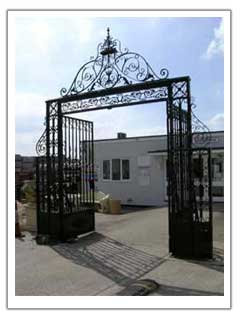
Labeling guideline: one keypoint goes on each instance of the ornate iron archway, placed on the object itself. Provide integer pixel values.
(65, 175)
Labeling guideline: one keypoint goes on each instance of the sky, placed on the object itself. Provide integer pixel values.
(49, 51)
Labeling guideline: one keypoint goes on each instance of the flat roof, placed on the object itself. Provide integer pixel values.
(153, 136)
(194, 148)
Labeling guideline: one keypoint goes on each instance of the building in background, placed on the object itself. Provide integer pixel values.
(133, 170)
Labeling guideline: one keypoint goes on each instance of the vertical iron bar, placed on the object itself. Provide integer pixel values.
(43, 184)
(201, 186)
(60, 171)
(84, 168)
(93, 175)
(210, 199)
(37, 193)
(185, 156)
(48, 106)
(69, 168)
(76, 165)
(170, 169)
(72, 165)
(190, 183)
(86, 135)
(65, 168)
(90, 163)
(182, 169)
(80, 163)
(177, 163)
(88, 160)
(53, 186)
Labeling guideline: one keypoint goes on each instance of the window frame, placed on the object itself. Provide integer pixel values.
(128, 169)
(218, 164)
(110, 170)
(121, 171)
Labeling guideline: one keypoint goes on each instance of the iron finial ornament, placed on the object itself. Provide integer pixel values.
(112, 67)
(109, 47)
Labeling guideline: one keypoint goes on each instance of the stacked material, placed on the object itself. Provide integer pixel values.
(106, 204)
(27, 215)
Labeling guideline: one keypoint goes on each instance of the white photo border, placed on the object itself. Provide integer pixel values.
(66, 302)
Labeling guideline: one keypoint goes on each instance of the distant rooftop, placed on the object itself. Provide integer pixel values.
(155, 136)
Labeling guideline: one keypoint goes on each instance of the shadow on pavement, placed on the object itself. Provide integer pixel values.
(164, 290)
(216, 263)
(114, 260)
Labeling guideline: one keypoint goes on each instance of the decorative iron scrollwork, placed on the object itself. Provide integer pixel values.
(112, 67)
(120, 99)
(179, 90)
(41, 145)
(201, 133)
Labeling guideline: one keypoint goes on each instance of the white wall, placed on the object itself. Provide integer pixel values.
(155, 192)
(150, 194)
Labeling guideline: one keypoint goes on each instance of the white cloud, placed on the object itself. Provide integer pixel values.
(216, 122)
(216, 46)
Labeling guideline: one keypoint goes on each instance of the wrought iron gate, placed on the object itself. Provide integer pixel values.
(189, 186)
(65, 179)
(115, 78)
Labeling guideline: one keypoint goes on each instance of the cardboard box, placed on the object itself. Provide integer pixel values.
(115, 206)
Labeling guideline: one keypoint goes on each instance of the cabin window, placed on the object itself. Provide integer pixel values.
(116, 169)
(125, 170)
(106, 169)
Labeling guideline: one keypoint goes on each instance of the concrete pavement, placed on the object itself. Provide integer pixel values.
(124, 247)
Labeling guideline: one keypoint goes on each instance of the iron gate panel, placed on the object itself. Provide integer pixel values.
(65, 177)
(77, 170)
(189, 186)
(202, 210)
(179, 177)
